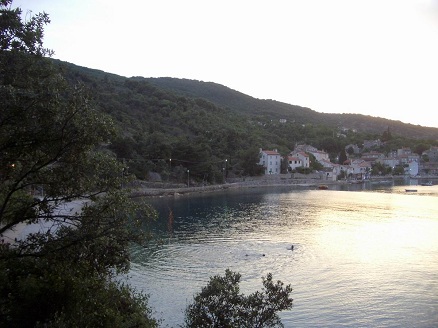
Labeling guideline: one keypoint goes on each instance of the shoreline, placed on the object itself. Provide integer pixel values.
(22, 229)
(162, 189)
(179, 191)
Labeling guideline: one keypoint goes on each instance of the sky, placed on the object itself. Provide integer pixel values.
(371, 57)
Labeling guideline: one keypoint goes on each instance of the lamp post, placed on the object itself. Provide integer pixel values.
(188, 178)
(170, 164)
(225, 171)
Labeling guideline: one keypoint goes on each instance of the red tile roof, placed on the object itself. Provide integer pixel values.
(271, 152)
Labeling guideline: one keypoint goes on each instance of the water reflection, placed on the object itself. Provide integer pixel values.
(367, 258)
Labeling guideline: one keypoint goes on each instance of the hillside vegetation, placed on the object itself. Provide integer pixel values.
(271, 109)
(169, 126)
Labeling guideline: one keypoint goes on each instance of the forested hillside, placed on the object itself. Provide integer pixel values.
(171, 125)
(271, 109)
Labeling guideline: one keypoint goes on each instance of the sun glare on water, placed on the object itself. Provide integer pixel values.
(379, 239)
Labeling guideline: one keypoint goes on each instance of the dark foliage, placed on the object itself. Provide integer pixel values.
(220, 304)
(52, 152)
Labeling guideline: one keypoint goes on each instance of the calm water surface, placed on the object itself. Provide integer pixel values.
(363, 258)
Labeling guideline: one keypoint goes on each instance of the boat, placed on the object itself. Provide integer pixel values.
(411, 190)
(322, 187)
(428, 183)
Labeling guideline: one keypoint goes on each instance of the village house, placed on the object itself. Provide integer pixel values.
(368, 144)
(412, 169)
(344, 129)
(372, 157)
(302, 156)
(330, 173)
(358, 169)
(270, 160)
(406, 159)
(431, 154)
(429, 168)
(389, 161)
(404, 151)
(340, 170)
(431, 165)
(414, 157)
(326, 163)
(304, 148)
(320, 156)
(293, 162)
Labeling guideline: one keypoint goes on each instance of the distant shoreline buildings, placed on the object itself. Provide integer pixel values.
(359, 164)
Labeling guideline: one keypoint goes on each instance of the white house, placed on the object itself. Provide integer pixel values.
(320, 156)
(389, 161)
(404, 151)
(293, 162)
(340, 169)
(270, 160)
(372, 156)
(329, 173)
(302, 156)
(432, 154)
(326, 163)
(412, 169)
(359, 169)
(372, 143)
(406, 159)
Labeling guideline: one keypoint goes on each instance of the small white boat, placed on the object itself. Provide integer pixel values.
(429, 183)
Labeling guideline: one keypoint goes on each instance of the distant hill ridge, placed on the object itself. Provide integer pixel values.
(263, 109)
(242, 103)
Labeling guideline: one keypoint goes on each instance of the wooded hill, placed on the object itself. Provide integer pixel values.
(198, 125)
(275, 110)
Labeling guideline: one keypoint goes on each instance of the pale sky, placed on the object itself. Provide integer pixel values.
(372, 57)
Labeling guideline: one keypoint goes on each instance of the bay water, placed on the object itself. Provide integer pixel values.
(363, 256)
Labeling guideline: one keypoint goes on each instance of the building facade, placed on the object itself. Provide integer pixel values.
(270, 160)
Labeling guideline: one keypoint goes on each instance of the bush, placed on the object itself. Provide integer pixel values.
(220, 304)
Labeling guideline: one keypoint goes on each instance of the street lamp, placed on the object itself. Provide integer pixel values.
(225, 171)
(188, 178)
